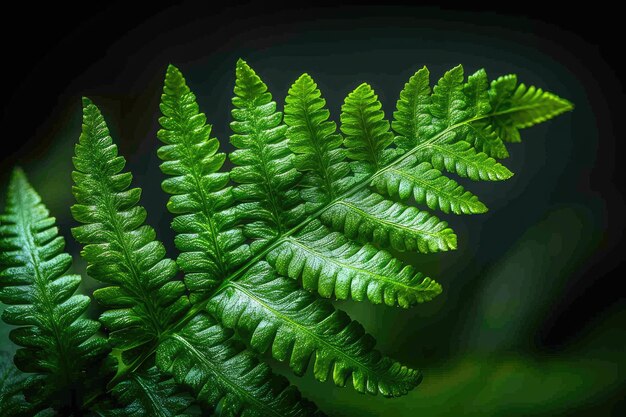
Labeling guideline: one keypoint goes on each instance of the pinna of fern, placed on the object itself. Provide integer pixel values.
(309, 212)
(57, 343)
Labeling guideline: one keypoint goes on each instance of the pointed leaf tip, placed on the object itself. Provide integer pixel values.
(86, 102)
(19, 181)
(304, 77)
(18, 172)
(172, 71)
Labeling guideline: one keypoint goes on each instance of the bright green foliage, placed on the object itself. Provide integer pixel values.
(313, 138)
(429, 186)
(12, 384)
(365, 128)
(148, 300)
(210, 245)
(143, 299)
(367, 216)
(265, 166)
(57, 343)
(149, 393)
(461, 159)
(224, 375)
(307, 213)
(275, 315)
(336, 250)
(412, 110)
(517, 106)
(335, 266)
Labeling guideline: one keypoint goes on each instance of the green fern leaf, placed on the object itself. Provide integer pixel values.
(265, 166)
(307, 213)
(332, 265)
(57, 342)
(365, 128)
(225, 376)
(142, 298)
(411, 113)
(149, 393)
(429, 186)
(517, 106)
(274, 314)
(450, 130)
(462, 159)
(484, 138)
(313, 138)
(210, 244)
(368, 217)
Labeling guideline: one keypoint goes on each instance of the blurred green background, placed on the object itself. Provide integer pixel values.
(530, 321)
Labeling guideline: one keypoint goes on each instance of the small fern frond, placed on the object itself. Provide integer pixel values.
(517, 106)
(225, 376)
(264, 169)
(428, 186)
(57, 342)
(411, 110)
(210, 243)
(462, 159)
(365, 128)
(334, 266)
(314, 140)
(368, 217)
(143, 299)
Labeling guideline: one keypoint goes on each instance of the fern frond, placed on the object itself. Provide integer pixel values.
(57, 342)
(517, 106)
(225, 376)
(149, 393)
(12, 384)
(450, 129)
(334, 266)
(484, 138)
(275, 315)
(265, 166)
(411, 110)
(210, 243)
(365, 128)
(368, 217)
(462, 159)
(142, 298)
(449, 105)
(314, 140)
(429, 186)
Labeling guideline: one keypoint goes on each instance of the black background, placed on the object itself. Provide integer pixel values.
(53, 55)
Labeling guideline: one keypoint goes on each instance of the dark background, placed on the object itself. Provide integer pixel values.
(532, 317)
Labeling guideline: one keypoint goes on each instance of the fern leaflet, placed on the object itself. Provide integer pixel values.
(57, 342)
